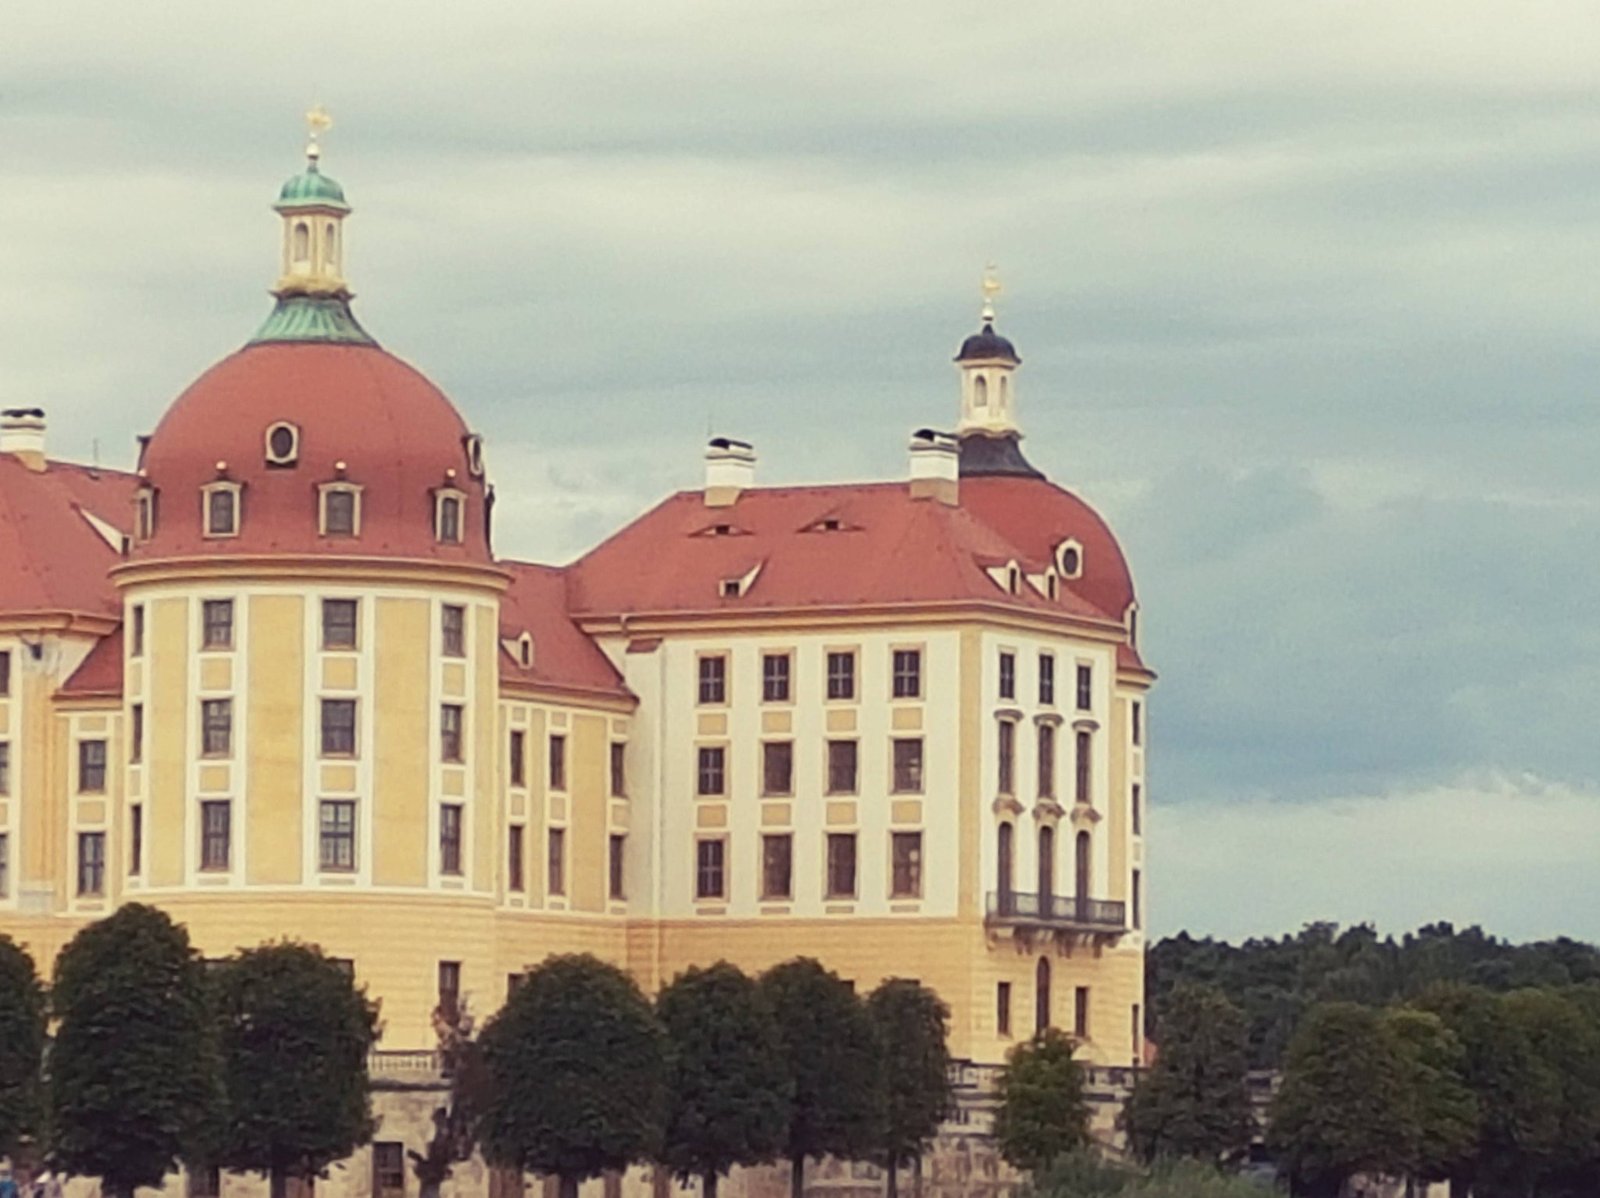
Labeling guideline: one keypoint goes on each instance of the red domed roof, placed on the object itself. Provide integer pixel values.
(397, 434)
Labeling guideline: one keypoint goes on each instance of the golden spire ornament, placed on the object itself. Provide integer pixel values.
(991, 288)
(318, 122)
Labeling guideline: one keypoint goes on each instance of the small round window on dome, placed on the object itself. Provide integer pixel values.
(474, 445)
(283, 444)
(1069, 559)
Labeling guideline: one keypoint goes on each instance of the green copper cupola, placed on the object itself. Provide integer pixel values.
(313, 297)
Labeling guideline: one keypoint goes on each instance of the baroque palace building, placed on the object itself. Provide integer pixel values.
(276, 681)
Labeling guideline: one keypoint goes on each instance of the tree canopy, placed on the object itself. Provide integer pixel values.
(913, 1028)
(22, 1024)
(1043, 1114)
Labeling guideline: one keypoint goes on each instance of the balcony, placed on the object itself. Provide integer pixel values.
(1057, 913)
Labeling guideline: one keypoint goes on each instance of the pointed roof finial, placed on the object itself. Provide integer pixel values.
(991, 288)
(318, 122)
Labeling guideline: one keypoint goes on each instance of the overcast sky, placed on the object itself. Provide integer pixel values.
(1305, 292)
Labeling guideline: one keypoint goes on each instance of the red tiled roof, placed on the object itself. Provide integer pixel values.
(51, 558)
(563, 656)
(888, 549)
(101, 672)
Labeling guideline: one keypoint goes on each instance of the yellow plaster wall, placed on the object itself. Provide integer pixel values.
(404, 699)
(166, 730)
(588, 816)
(488, 746)
(275, 763)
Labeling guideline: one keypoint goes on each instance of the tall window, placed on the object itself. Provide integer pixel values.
(777, 861)
(1041, 995)
(337, 837)
(777, 767)
(135, 637)
(907, 673)
(514, 836)
(5, 866)
(618, 863)
(449, 518)
(1080, 1012)
(136, 839)
(1136, 809)
(518, 765)
(5, 671)
(91, 863)
(841, 865)
(1137, 1034)
(338, 727)
(710, 881)
(91, 766)
(713, 680)
(712, 778)
(775, 677)
(1047, 869)
(136, 732)
(216, 834)
(222, 512)
(842, 769)
(619, 769)
(1081, 787)
(1047, 679)
(216, 618)
(1007, 780)
(908, 765)
(1138, 722)
(5, 767)
(906, 865)
(453, 630)
(842, 675)
(557, 863)
(388, 1169)
(450, 732)
(339, 512)
(339, 623)
(449, 986)
(1047, 761)
(1002, 1008)
(1085, 687)
(558, 762)
(1136, 892)
(450, 839)
(1008, 675)
(216, 727)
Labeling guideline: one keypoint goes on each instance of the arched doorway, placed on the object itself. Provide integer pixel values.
(1047, 870)
(1005, 866)
(1084, 880)
(1041, 995)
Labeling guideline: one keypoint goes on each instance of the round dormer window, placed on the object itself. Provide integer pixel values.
(1071, 561)
(283, 444)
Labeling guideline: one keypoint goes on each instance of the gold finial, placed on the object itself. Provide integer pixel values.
(318, 122)
(991, 288)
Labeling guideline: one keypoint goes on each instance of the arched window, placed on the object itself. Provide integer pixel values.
(1005, 393)
(1047, 870)
(302, 241)
(980, 392)
(1041, 995)
(1004, 868)
(330, 239)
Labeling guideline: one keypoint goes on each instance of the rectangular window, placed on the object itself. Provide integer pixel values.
(388, 1169)
(777, 767)
(906, 854)
(339, 513)
(5, 767)
(92, 766)
(1085, 687)
(450, 732)
(618, 863)
(216, 727)
(1137, 1030)
(5, 866)
(557, 864)
(1007, 742)
(908, 765)
(1137, 894)
(222, 512)
(216, 624)
(713, 680)
(777, 862)
(558, 762)
(5, 671)
(136, 732)
(453, 630)
(1047, 761)
(712, 779)
(135, 633)
(841, 865)
(1081, 791)
(1047, 679)
(514, 857)
(1002, 1008)
(216, 834)
(449, 986)
(338, 727)
(339, 623)
(709, 881)
(775, 678)
(519, 758)
(337, 834)
(136, 839)
(449, 516)
(908, 673)
(842, 767)
(1080, 1012)
(619, 769)
(842, 675)
(450, 839)
(1136, 808)
(1138, 723)
(1008, 675)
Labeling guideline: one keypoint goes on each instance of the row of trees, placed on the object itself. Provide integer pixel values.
(259, 1063)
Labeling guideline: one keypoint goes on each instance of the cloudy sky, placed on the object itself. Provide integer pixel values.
(1306, 294)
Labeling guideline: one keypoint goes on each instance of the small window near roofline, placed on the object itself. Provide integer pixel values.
(1069, 559)
(474, 446)
(282, 444)
(340, 514)
(449, 516)
(145, 514)
(220, 509)
(525, 650)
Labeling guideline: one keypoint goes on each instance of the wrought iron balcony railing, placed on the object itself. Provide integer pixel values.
(1065, 911)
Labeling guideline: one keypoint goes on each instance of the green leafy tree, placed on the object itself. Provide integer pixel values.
(1344, 1105)
(294, 1033)
(135, 1083)
(729, 1092)
(1043, 1114)
(455, 1120)
(1444, 1110)
(575, 1073)
(913, 1027)
(22, 1023)
(1567, 1044)
(1194, 1102)
(831, 1052)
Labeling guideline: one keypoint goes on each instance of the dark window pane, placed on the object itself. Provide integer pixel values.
(907, 674)
(775, 678)
(338, 727)
(216, 834)
(618, 862)
(842, 759)
(711, 778)
(841, 675)
(841, 864)
(558, 861)
(777, 767)
(216, 727)
(339, 513)
(558, 763)
(450, 732)
(450, 839)
(777, 858)
(339, 623)
(713, 679)
(453, 630)
(91, 766)
(338, 834)
(908, 765)
(708, 869)
(907, 854)
(217, 624)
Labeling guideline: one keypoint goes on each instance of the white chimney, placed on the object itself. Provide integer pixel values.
(935, 466)
(730, 470)
(22, 436)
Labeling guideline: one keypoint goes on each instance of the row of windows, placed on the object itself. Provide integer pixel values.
(1043, 1015)
(340, 625)
(842, 762)
(777, 671)
(338, 511)
(777, 866)
(1084, 682)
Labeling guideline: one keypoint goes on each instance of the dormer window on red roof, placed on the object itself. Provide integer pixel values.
(340, 514)
(448, 511)
(220, 501)
(282, 444)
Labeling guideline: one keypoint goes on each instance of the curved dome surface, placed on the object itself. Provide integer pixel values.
(399, 439)
(987, 344)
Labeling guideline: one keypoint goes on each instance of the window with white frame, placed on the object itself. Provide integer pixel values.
(340, 514)
(221, 509)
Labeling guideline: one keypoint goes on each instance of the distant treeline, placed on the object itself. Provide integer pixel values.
(1274, 982)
